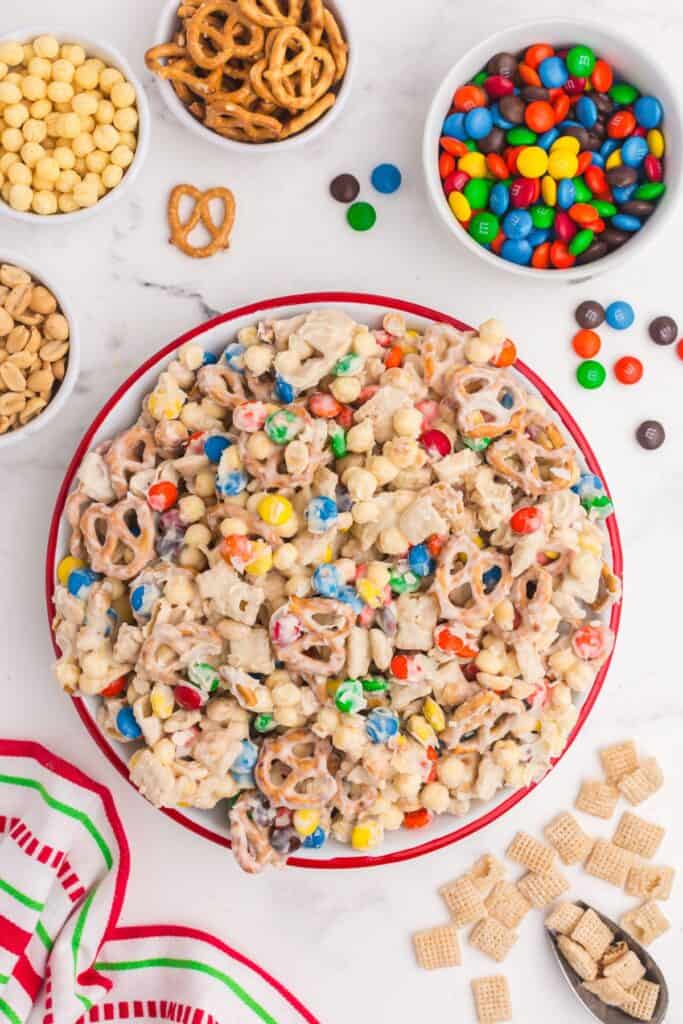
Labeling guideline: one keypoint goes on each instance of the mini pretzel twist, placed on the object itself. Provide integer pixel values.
(536, 458)
(222, 385)
(312, 68)
(460, 575)
(181, 230)
(224, 40)
(353, 799)
(170, 61)
(227, 117)
(307, 781)
(116, 546)
(250, 840)
(268, 14)
(169, 649)
(531, 594)
(305, 655)
(478, 393)
(129, 453)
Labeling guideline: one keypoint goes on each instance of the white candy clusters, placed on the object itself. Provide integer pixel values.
(349, 548)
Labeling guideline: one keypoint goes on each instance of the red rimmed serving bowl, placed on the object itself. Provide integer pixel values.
(121, 411)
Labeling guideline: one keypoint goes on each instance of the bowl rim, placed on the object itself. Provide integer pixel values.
(311, 299)
(73, 363)
(174, 104)
(435, 114)
(118, 60)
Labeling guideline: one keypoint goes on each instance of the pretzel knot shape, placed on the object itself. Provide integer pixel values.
(353, 798)
(119, 538)
(536, 458)
(268, 13)
(321, 650)
(130, 452)
(459, 586)
(292, 770)
(211, 45)
(300, 81)
(180, 71)
(75, 506)
(531, 594)
(488, 403)
(181, 230)
(251, 837)
(233, 120)
(169, 649)
(222, 385)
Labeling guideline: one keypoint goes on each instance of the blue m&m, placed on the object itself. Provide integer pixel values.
(381, 725)
(127, 725)
(80, 581)
(327, 581)
(214, 447)
(321, 514)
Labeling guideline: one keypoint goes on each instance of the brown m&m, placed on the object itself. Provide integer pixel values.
(650, 434)
(344, 188)
(663, 330)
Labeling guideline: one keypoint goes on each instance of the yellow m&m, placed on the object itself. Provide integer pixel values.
(370, 593)
(473, 164)
(306, 821)
(460, 206)
(562, 163)
(262, 561)
(367, 834)
(275, 509)
(66, 567)
(532, 162)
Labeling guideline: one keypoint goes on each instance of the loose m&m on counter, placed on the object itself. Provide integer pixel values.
(549, 159)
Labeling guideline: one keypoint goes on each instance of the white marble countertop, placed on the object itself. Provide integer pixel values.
(340, 940)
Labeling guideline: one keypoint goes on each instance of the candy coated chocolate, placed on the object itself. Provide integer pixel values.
(663, 330)
(589, 314)
(650, 434)
(344, 188)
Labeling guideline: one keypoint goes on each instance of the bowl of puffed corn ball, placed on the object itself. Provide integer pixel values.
(74, 126)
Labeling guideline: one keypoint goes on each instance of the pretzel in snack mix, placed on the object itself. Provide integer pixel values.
(304, 586)
(254, 70)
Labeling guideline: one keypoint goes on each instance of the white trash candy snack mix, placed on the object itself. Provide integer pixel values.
(342, 578)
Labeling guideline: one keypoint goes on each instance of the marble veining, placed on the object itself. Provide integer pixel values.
(341, 940)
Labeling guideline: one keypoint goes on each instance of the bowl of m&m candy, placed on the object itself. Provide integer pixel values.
(554, 147)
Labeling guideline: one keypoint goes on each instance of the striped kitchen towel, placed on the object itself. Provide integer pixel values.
(64, 864)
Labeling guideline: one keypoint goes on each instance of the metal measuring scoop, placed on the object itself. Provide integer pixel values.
(592, 1004)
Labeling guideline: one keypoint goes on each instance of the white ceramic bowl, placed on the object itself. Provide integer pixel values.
(123, 408)
(166, 27)
(62, 396)
(112, 58)
(630, 60)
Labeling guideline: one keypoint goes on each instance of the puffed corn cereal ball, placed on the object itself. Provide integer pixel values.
(62, 112)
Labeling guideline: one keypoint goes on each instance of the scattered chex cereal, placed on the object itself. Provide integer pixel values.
(643, 782)
(567, 837)
(645, 923)
(540, 890)
(492, 999)
(464, 901)
(618, 760)
(643, 1001)
(507, 904)
(534, 856)
(650, 881)
(492, 938)
(577, 958)
(485, 872)
(608, 991)
(609, 862)
(626, 969)
(638, 836)
(592, 934)
(597, 798)
(437, 947)
(564, 918)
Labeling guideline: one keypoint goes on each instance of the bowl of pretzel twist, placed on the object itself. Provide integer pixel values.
(253, 73)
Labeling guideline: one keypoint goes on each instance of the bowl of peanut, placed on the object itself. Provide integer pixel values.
(39, 350)
(75, 126)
